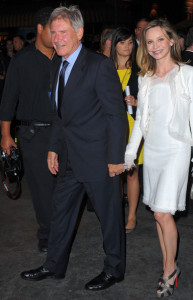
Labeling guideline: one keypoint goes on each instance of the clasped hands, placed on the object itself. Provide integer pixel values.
(116, 169)
(53, 165)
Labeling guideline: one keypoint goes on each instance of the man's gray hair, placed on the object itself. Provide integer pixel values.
(72, 13)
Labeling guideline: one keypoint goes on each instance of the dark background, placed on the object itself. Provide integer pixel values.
(17, 16)
(174, 10)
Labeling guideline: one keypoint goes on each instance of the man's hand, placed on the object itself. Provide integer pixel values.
(6, 140)
(6, 143)
(115, 169)
(52, 162)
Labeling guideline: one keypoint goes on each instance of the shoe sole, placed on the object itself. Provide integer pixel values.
(56, 277)
(104, 288)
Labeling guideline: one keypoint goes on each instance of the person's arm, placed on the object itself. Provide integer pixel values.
(8, 104)
(11, 91)
(134, 141)
(133, 84)
(6, 140)
(108, 89)
(190, 87)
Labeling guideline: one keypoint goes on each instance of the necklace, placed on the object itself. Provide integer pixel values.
(47, 53)
(53, 53)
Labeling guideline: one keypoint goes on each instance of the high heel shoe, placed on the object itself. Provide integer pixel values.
(160, 278)
(166, 289)
(131, 225)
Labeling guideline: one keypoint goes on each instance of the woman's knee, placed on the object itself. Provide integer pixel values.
(133, 178)
(161, 217)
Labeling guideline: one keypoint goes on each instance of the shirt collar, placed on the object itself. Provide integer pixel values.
(72, 58)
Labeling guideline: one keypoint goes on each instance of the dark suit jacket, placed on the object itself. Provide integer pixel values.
(92, 130)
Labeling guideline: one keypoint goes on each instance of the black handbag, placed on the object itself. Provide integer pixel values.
(11, 168)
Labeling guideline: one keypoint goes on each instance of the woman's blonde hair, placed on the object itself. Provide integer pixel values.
(145, 61)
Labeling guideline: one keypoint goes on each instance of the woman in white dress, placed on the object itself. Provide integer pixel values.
(165, 120)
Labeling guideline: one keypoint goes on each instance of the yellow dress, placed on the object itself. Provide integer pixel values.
(124, 76)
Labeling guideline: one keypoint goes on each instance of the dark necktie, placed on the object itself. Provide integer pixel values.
(61, 85)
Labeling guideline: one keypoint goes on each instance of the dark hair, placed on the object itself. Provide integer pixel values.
(42, 16)
(30, 35)
(180, 34)
(9, 38)
(107, 35)
(142, 20)
(189, 38)
(122, 34)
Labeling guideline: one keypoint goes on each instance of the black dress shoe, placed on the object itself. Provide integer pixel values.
(101, 282)
(36, 274)
(43, 245)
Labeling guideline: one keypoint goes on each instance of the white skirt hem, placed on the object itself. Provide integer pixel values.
(163, 210)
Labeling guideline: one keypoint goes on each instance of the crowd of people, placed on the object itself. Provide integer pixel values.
(85, 118)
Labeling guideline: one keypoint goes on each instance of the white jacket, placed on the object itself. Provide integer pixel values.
(181, 124)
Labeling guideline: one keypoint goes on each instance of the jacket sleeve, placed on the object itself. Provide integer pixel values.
(109, 92)
(134, 141)
(10, 92)
(56, 136)
(190, 87)
(136, 135)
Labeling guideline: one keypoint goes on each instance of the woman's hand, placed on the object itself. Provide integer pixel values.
(130, 100)
(129, 161)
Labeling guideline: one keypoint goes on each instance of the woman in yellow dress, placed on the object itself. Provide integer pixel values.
(123, 54)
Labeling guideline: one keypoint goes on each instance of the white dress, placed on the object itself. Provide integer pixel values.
(166, 160)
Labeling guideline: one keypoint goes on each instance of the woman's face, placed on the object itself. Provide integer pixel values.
(9, 45)
(124, 48)
(158, 43)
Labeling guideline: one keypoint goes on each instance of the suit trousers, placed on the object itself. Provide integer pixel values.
(105, 197)
(41, 182)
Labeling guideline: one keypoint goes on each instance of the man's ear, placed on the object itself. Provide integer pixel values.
(39, 28)
(80, 33)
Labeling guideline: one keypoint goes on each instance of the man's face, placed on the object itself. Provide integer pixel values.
(64, 38)
(139, 29)
(17, 43)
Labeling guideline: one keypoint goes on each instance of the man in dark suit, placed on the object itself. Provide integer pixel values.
(87, 151)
